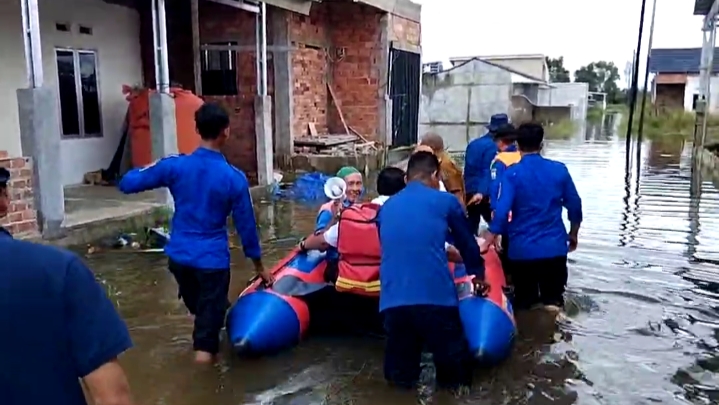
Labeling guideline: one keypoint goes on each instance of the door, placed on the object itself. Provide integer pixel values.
(405, 73)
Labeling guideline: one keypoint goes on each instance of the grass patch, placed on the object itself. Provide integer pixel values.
(595, 114)
(676, 123)
(561, 130)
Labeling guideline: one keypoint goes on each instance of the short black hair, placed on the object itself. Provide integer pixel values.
(4, 178)
(530, 137)
(506, 132)
(390, 181)
(211, 120)
(422, 165)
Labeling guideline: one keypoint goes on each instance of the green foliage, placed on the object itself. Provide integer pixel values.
(557, 72)
(563, 129)
(677, 123)
(601, 77)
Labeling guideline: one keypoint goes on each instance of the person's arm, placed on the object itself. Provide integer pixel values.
(321, 241)
(157, 175)
(97, 337)
(453, 254)
(323, 221)
(498, 226)
(472, 171)
(573, 203)
(464, 240)
(243, 215)
(497, 169)
(488, 155)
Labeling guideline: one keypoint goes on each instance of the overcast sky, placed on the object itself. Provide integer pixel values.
(581, 31)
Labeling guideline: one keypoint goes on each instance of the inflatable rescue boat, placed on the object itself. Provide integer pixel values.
(268, 320)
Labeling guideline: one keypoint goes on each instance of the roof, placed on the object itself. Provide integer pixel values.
(461, 62)
(701, 7)
(461, 59)
(679, 60)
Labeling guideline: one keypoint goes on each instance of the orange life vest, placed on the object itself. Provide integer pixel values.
(359, 250)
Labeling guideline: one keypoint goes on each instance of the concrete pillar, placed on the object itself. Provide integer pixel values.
(40, 139)
(384, 108)
(263, 133)
(284, 116)
(163, 130)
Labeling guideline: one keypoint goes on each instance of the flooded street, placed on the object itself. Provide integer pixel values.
(643, 323)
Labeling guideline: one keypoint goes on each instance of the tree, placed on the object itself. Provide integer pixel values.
(601, 77)
(557, 72)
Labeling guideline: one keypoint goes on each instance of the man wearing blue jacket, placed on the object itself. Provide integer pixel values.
(418, 298)
(535, 190)
(206, 189)
(477, 173)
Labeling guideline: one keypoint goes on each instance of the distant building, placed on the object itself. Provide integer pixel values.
(432, 67)
(676, 78)
(534, 65)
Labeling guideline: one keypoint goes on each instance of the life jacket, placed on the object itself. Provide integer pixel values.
(359, 250)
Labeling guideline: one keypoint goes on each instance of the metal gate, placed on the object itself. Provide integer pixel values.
(405, 73)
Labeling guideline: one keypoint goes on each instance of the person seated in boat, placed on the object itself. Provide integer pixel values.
(418, 299)
(505, 138)
(390, 181)
(206, 190)
(451, 174)
(535, 190)
(353, 193)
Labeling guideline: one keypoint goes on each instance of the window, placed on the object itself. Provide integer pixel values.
(79, 93)
(85, 30)
(219, 71)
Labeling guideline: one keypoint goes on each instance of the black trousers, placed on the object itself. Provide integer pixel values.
(410, 329)
(204, 293)
(541, 281)
(478, 211)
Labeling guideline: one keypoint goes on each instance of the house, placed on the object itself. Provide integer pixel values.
(277, 66)
(533, 65)
(676, 83)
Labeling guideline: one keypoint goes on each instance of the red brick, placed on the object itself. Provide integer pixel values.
(3, 154)
(22, 218)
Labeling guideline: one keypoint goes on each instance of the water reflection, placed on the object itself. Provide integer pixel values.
(643, 306)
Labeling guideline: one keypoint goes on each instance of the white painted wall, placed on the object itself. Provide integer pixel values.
(692, 88)
(115, 38)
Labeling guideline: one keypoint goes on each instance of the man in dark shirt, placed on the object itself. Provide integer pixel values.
(418, 297)
(58, 327)
(206, 189)
(535, 190)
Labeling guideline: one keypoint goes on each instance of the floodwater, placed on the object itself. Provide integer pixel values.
(643, 318)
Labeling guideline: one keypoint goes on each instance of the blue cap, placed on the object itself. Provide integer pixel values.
(497, 121)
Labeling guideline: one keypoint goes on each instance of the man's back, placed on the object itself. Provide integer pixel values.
(413, 227)
(542, 187)
(205, 189)
(57, 325)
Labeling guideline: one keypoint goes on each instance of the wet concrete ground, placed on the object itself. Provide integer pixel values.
(642, 327)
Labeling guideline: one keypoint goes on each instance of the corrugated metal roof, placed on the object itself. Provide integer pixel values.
(701, 7)
(683, 60)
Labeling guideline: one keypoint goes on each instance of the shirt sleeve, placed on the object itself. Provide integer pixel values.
(464, 240)
(157, 175)
(571, 200)
(243, 215)
(498, 226)
(472, 170)
(485, 177)
(497, 170)
(96, 332)
(324, 217)
(330, 235)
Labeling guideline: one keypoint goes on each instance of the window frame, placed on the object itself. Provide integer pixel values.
(76, 52)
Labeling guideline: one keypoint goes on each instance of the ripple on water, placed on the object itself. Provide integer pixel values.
(643, 308)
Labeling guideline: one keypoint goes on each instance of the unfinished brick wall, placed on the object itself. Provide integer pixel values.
(406, 32)
(22, 218)
(338, 44)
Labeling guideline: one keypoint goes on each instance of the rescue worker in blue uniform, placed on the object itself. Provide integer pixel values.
(206, 189)
(418, 298)
(535, 190)
(477, 176)
(508, 155)
(60, 330)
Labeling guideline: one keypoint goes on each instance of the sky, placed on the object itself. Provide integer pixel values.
(580, 31)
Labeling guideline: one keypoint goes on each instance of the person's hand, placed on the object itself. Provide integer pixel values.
(498, 244)
(336, 207)
(267, 278)
(483, 245)
(476, 199)
(573, 241)
(480, 287)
